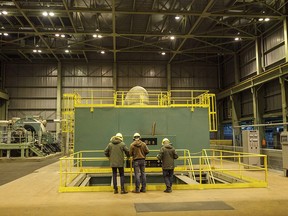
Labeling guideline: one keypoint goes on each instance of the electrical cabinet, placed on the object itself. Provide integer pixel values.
(251, 144)
(284, 143)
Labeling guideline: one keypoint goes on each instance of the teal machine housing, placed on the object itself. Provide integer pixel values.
(185, 128)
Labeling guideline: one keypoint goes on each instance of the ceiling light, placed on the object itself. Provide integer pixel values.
(57, 35)
(260, 19)
(4, 12)
(62, 35)
(102, 52)
(266, 19)
(177, 17)
(67, 51)
(172, 37)
(163, 53)
(237, 39)
(45, 13)
(34, 51)
(5, 34)
(97, 36)
(39, 51)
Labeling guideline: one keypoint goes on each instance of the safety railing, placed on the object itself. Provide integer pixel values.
(150, 99)
(228, 170)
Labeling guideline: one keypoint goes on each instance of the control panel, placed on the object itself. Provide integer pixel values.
(251, 144)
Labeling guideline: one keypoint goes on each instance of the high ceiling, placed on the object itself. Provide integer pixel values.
(132, 30)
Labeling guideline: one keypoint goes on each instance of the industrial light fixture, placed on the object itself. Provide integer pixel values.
(177, 17)
(37, 51)
(102, 52)
(163, 53)
(236, 38)
(264, 19)
(67, 51)
(5, 34)
(172, 37)
(58, 35)
(97, 36)
(45, 13)
(3, 12)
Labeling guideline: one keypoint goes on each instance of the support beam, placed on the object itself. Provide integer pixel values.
(284, 102)
(114, 72)
(168, 77)
(258, 55)
(236, 114)
(59, 96)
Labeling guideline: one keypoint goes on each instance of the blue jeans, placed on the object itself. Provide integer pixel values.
(168, 177)
(139, 172)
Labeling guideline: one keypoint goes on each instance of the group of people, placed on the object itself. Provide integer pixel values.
(116, 151)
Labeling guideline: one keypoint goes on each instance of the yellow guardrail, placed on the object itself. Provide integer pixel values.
(226, 168)
(153, 99)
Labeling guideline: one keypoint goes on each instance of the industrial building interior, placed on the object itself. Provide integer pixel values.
(209, 75)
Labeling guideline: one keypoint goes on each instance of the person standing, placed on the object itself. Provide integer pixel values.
(167, 155)
(115, 151)
(138, 151)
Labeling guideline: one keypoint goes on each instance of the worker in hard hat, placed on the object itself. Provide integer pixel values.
(115, 151)
(138, 151)
(167, 155)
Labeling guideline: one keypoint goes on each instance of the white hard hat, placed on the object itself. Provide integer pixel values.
(165, 141)
(136, 135)
(119, 135)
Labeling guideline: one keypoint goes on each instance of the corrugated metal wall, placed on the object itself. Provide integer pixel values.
(247, 62)
(272, 54)
(149, 76)
(274, 49)
(32, 90)
(33, 87)
(228, 73)
(189, 76)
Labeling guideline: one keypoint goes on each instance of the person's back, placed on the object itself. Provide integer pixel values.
(115, 151)
(167, 155)
(138, 151)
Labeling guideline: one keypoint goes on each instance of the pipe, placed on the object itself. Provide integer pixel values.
(261, 125)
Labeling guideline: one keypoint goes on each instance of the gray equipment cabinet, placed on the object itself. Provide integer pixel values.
(284, 143)
(251, 144)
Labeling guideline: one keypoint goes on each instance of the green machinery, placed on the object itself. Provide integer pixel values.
(185, 117)
(26, 137)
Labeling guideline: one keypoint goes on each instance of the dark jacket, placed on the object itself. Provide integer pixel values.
(115, 151)
(138, 150)
(167, 155)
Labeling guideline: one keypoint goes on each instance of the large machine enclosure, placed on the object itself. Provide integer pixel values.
(186, 129)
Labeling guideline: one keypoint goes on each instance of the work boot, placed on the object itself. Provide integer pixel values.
(123, 192)
(116, 191)
(168, 190)
(142, 190)
(136, 191)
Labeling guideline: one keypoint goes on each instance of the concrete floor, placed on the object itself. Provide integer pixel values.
(37, 194)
